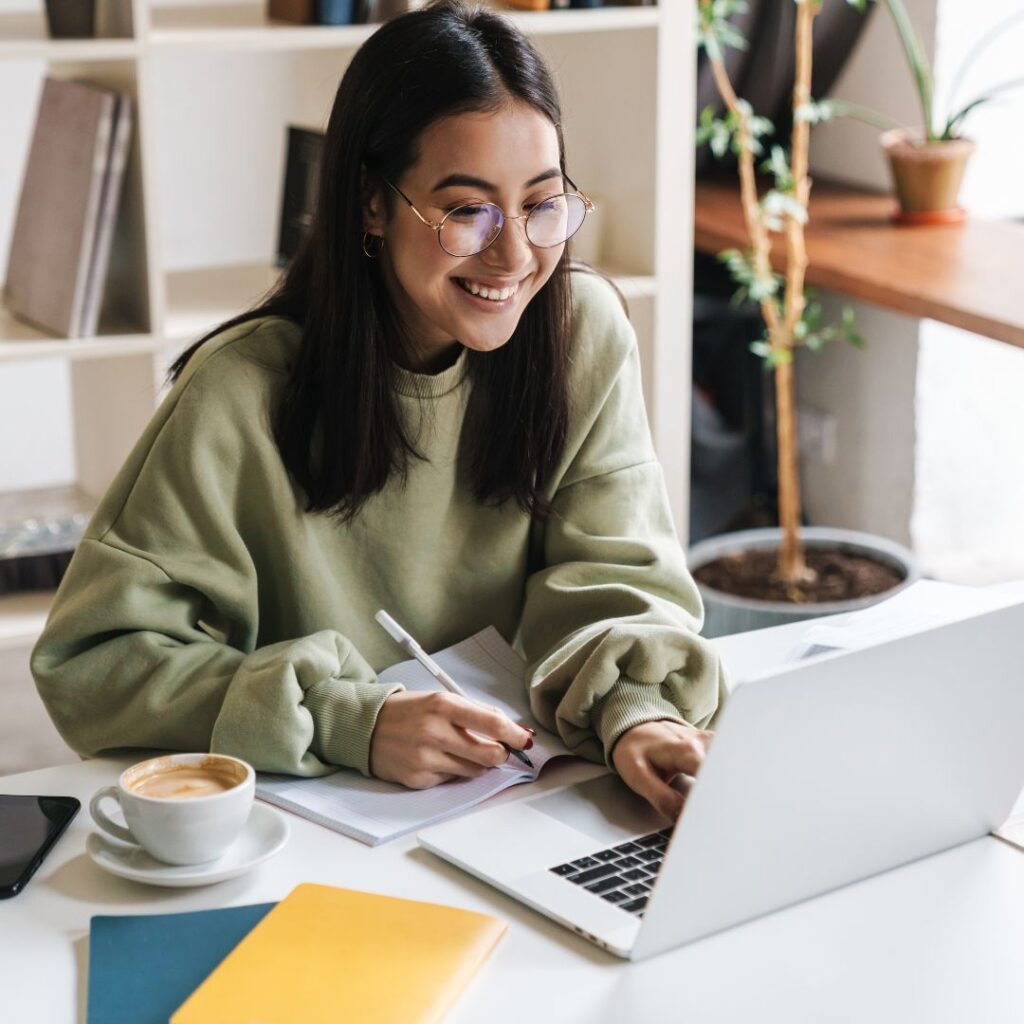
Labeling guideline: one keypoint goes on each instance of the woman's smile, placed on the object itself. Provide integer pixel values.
(489, 295)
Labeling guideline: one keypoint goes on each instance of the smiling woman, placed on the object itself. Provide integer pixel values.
(432, 414)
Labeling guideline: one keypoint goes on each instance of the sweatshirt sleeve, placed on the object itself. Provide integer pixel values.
(153, 640)
(611, 621)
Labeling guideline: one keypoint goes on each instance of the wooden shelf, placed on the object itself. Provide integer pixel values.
(19, 342)
(199, 299)
(964, 274)
(23, 36)
(247, 27)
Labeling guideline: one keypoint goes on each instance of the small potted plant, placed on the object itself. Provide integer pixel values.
(757, 578)
(928, 162)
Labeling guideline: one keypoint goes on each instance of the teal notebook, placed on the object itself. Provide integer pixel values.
(143, 967)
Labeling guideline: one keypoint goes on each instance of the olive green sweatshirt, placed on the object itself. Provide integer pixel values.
(206, 610)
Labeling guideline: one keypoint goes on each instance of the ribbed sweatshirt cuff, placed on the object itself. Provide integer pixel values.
(344, 715)
(628, 703)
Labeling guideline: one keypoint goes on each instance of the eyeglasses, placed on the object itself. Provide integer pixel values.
(468, 230)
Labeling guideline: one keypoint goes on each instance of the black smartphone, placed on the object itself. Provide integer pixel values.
(29, 826)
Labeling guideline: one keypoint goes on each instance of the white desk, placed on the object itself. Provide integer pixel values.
(941, 940)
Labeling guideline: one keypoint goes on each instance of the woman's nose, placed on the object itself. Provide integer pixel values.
(511, 250)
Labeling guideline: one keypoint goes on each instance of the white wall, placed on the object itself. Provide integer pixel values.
(942, 405)
(970, 456)
(868, 483)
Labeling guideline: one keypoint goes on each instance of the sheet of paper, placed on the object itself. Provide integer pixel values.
(923, 605)
(370, 810)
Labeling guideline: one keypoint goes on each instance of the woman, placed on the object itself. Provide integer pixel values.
(432, 415)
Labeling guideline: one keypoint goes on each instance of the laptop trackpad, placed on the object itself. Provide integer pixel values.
(605, 808)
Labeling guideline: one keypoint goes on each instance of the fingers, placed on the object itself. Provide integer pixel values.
(489, 722)
(438, 767)
(477, 750)
(418, 742)
(650, 756)
(677, 757)
(659, 794)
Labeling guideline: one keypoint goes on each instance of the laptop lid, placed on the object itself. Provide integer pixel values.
(843, 766)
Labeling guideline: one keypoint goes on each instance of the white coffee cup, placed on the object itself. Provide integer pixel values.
(181, 808)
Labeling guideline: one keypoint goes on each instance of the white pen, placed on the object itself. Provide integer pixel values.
(410, 646)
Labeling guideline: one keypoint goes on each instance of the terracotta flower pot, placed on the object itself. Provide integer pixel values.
(927, 175)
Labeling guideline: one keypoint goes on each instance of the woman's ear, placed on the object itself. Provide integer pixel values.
(374, 218)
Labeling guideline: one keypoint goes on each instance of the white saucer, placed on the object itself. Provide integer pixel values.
(264, 834)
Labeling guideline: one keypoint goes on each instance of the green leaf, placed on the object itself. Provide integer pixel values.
(918, 61)
(955, 120)
(776, 206)
(761, 348)
(816, 111)
(777, 165)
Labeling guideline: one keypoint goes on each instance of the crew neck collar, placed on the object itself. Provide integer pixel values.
(430, 385)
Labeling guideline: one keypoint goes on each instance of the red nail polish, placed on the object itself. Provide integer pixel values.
(529, 743)
(532, 732)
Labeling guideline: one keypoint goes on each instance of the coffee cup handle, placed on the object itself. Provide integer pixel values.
(101, 819)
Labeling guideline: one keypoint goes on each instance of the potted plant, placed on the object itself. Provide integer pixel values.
(928, 162)
(759, 578)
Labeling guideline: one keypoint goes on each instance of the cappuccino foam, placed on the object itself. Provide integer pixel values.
(183, 782)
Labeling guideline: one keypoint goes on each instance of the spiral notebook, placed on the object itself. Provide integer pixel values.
(373, 811)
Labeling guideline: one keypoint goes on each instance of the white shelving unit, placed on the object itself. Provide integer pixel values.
(215, 87)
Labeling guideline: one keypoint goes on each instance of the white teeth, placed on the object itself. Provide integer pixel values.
(489, 293)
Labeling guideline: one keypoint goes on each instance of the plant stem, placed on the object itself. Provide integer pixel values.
(760, 241)
(792, 566)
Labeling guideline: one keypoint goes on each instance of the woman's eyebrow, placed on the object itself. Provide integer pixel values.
(474, 182)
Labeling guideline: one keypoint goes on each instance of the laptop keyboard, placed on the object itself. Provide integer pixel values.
(623, 874)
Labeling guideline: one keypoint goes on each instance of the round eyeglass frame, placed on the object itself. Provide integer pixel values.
(436, 225)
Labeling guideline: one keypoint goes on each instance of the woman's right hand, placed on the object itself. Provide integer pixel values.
(422, 739)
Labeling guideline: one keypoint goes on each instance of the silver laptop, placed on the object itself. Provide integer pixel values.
(820, 774)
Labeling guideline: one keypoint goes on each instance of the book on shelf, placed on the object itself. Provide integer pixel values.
(302, 171)
(60, 247)
(337, 12)
(299, 12)
(89, 19)
(71, 19)
(110, 200)
(374, 811)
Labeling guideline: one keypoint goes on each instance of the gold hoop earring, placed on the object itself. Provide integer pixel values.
(376, 252)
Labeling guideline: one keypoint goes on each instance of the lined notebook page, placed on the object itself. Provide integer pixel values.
(373, 811)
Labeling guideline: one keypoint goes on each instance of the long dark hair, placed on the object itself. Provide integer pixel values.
(339, 427)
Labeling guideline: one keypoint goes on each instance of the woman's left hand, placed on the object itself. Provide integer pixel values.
(649, 756)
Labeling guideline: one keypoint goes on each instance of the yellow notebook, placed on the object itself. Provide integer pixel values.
(328, 955)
